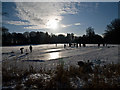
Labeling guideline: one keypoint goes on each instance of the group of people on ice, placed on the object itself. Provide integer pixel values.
(70, 45)
(76, 45)
(30, 48)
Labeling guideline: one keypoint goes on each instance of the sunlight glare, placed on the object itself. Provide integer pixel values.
(52, 24)
(54, 55)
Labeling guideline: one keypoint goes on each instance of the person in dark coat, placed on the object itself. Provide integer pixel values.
(21, 49)
(76, 45)
(64, 45)
(30, 48)
(84, 45)
(98, 44)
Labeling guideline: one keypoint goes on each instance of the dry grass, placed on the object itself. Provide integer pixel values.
(107, 76)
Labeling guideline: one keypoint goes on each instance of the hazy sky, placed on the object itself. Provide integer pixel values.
(69, 17)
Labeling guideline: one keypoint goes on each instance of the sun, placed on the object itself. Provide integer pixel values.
(52, 24)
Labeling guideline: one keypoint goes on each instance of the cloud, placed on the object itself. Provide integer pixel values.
(18, 23)
(74, 24)
(39, 13)
(77, 24)
(64, 26)
(35, 27)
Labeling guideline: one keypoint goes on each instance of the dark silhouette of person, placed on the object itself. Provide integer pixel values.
(21, 49)
(84, 45)
(98, 44)
(79, 44)
(64, 45)
(30, 48)
(70, 44)
(76, 45)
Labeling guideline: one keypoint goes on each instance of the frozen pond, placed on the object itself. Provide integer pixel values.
(48, 56)
(47, 52)
(40, 52)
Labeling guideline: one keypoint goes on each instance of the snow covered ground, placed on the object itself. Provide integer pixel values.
(49, 56)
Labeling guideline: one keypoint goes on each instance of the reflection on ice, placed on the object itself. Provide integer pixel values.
(51, 50)
(54, 55)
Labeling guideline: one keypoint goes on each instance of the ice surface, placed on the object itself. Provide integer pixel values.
(48, 55)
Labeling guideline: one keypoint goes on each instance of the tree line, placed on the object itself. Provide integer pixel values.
(111, 35)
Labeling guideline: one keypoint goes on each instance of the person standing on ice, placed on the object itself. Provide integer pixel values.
(30, 48)
(98, 45)
(21, 49)
(84, 45)
(64, 45)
